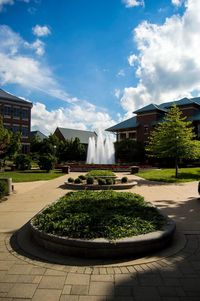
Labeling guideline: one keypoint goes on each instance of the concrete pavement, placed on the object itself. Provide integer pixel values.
(170, 275)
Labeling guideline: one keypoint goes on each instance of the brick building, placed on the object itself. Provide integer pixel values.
(16, 115)
(139, 126)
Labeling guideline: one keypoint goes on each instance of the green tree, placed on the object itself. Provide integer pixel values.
(5, 139)
(174, 138)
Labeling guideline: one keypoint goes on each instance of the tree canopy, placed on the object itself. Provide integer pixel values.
(174, 138)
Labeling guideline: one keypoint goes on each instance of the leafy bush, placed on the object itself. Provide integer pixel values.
(124, 179)
(109, 181)
(101, 181)
(100, 173)
(93, 214)
(82, 177)
(46, 162)
(71, 180)
(90, 180)
(78, 181)
(3, 188)
(23, 162)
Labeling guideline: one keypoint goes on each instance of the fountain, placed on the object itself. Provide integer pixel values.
(100, 151)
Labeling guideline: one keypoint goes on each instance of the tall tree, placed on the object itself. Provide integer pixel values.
(174, 138)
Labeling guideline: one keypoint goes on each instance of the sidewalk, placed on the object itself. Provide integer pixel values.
(171, 275)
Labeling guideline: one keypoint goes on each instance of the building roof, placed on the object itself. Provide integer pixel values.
(129, 123)
(148, 108)
(7, 96)
(83, 136)
(39, 134)
(182, 102)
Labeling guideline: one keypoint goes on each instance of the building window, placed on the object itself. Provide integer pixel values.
(24, 114)
(122, 136)
(25, 131)
(16, 128)
(132, 135)
(16, 113)
(7, 126)
(7, 111)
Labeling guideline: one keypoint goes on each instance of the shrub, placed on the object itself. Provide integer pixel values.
(124, 179)
(90, 180)
(23, 162)
(92, 214)
(100, 173)
(46, 162)
(82, 177)
(71, 180)
(78, 181)
(109, 181)
(101, 181)
(3, 188)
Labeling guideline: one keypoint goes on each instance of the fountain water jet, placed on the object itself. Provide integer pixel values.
(100, 151)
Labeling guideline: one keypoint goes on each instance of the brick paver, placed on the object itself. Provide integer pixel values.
(171, 277)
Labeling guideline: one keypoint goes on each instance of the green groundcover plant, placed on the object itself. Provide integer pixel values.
(96, 214)
(100, 173)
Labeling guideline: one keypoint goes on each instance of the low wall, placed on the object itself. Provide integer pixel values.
(102, 248)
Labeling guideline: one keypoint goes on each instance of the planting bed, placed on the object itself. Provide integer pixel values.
(104, 224)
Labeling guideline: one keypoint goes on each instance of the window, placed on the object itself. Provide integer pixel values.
(132, 135)
(24, 114)
(122, 136)
(25, 131)
(7, 111)
(16, 113)
(16, 128)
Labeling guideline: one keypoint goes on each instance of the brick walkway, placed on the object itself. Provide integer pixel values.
(168, 276)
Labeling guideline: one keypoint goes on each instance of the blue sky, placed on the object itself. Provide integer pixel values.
(89, 64)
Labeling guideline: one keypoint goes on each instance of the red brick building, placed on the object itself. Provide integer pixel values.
(139, 127)
(16, 115)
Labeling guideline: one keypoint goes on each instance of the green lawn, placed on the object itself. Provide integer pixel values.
(168, 175)
(30, 175)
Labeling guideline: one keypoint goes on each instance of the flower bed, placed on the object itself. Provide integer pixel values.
(102, 225)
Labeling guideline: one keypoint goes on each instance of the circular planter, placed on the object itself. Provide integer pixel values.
(118, 186)
(103, 248)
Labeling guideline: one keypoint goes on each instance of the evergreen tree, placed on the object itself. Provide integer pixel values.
(174, 138)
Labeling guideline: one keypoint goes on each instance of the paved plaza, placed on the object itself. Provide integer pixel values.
(28, 272)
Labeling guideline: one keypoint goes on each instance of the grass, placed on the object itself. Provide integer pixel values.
(30, 175)
(100, 173)
(168, 175)
(92, 214)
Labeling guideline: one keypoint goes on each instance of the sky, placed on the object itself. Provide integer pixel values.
(89, 64)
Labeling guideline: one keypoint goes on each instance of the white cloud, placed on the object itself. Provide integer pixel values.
(132, 59)
(121, 73)
(177, 2)
(41, 31)
(37, 45)
(168, 64)
(19, 67)
(5, 2)
(133, 3)
(117, 93)
(82, 117)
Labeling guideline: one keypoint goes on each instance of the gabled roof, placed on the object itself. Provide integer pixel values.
(182, 102)
(148, 108)
(7, 96)
(83, 136)
(39, 134)
(129, 123)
